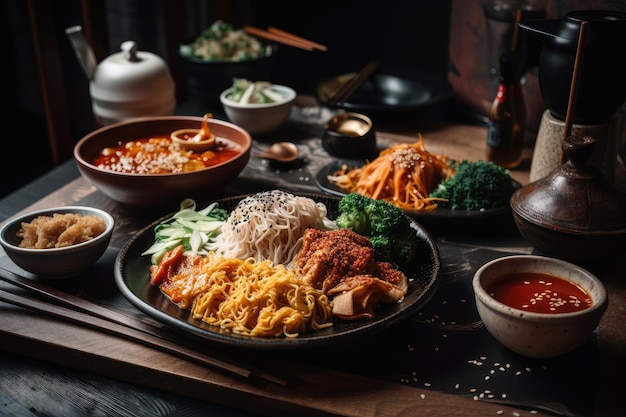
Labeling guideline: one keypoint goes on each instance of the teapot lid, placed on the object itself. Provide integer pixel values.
(574, 197)
(131, 69)
(130, 84)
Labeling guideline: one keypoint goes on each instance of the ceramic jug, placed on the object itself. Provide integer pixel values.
(602, 86)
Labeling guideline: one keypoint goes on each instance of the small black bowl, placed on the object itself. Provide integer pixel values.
(350, 135)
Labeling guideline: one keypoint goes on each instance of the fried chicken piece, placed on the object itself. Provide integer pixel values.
(341, 263)
(328, 256)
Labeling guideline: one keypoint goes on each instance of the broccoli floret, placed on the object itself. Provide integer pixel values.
(388, 227)
(475, 185)
(352, 213)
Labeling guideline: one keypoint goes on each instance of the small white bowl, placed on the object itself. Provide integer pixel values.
(56, 263)
(531, 334)
(259, 118)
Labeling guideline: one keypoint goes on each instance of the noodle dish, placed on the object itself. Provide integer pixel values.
(279, 265)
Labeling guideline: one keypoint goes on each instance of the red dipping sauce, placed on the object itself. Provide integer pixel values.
(539, 293)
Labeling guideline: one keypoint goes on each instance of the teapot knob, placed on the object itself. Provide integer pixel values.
(129, 48)
(578, 149)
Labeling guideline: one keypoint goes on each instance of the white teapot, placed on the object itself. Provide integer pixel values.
(127, 84)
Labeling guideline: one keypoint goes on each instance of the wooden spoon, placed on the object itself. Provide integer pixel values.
(197, 140)
(280, 152)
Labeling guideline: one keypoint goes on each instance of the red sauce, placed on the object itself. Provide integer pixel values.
(159, 155)
(539, 293)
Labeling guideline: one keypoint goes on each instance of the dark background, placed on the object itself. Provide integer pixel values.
(443, 37)
(409, 33)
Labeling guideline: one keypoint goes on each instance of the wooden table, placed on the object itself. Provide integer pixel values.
(55, 368)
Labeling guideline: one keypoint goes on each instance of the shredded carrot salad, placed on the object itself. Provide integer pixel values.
(402, 174)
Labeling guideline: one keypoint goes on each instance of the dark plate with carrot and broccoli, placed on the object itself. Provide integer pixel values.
(478, 190)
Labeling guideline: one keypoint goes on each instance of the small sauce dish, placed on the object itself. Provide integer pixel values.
(350, 135)
(537, 306)
(196, 140)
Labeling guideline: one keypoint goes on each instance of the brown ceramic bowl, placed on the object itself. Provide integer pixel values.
(160, 190)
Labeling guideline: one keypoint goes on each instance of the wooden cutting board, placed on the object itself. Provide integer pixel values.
(311, 391)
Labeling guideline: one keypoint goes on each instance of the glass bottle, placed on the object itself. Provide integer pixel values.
(507, 116)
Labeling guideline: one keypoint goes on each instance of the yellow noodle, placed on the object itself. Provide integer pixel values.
(255, 298)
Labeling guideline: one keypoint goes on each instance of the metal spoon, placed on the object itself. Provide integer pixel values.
(280, 152)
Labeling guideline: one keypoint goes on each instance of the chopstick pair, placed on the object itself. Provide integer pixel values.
(95, 316)
(281, 36)
(350, 87)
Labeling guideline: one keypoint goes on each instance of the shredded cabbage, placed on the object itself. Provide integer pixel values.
(245, 91)
(195, 230)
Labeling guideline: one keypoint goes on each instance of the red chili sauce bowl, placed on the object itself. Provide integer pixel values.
(537, 306)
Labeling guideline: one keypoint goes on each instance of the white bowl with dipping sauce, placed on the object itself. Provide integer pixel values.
(537, 306)
(88, 242)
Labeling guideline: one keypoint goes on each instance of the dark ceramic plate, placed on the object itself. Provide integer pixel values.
(132, 276)
(389, 90)
(440, 214)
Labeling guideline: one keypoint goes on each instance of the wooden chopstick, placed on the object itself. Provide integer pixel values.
(81, 305)
(278, 38)
(286, 34)
(573, 91)
(348, 88)
(101, 318)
